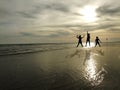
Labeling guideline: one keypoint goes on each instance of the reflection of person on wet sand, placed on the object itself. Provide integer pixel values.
(100, 52)
(87, 55)
(80, 40)
(97, 41)
(76, 53)
(88, 38)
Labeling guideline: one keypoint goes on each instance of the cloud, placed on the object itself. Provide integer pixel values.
(109, 16)
(53, 6)
(58, 33)
(55, 18)
(26, 15)
(43, 8)
(4, 13)
(110, 8)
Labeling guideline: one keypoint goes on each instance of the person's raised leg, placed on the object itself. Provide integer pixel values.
(99, 44)
(78, 44)
(95, 44)
(81, 44)
(89, 42)
(86, 44)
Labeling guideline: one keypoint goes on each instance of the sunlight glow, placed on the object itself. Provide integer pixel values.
(92, 44)
(89, 13)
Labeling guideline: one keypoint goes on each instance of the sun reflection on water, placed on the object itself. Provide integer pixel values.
(92, 74)
(90, 68)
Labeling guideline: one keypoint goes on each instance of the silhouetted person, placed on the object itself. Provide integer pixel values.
(88, 38)
(97, 41)
(80, 40)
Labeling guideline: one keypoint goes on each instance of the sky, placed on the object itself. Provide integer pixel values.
(56, 21)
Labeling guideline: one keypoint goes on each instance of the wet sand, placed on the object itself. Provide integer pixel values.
(69, 69)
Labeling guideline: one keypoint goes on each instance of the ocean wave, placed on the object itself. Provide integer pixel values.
(30, 48)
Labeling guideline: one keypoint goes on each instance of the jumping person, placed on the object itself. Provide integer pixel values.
(88, 38)
(97, 41)
(80, 40)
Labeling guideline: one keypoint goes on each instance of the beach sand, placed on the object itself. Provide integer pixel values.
(68, 69)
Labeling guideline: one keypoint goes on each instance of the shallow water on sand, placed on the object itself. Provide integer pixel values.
(68, 69)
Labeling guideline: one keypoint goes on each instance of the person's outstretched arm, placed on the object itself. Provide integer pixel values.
(100, 41)
(77, 36)
(83, 36)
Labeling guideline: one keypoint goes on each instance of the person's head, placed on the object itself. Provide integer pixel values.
(97, 37)
(88, 33)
